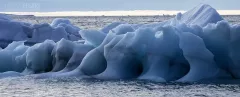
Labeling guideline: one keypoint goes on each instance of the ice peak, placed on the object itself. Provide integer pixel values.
(201, 15)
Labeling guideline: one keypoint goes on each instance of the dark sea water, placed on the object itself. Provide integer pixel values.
(74, 87)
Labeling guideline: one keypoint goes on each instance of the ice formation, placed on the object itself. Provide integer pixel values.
(195, 46)
(35, 33)
(4, 17)
(8, 57)
(38, 58)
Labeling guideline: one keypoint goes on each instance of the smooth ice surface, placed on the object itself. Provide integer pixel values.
(196, 46)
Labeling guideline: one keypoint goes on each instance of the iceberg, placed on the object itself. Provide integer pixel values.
(196, 46)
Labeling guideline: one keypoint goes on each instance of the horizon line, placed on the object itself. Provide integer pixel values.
(115, 13)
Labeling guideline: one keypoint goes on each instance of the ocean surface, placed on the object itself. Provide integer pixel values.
(97, 22)
(74, 87)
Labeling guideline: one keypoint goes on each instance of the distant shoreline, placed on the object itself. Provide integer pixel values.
(114, 13)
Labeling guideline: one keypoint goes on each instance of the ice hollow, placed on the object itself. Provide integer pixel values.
(94, 62)
(79, 52)
(162, 47)
(122, 62)
(201, 60)
(62, 53)
(38, 58)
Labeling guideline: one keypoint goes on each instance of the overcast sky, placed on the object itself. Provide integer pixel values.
(106, 5)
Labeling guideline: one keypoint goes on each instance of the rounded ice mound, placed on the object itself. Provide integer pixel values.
(92, 37)
(14, 45)
(38, 58)
(62, 53)
(70, 70)
(45, 31)
(94, 62)
(58, 21)
(71, 29)
(11, 31)
(123, 29)
(41, 32)
(7, 57)
(109, 27)
(58, 33)
(34, 33)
